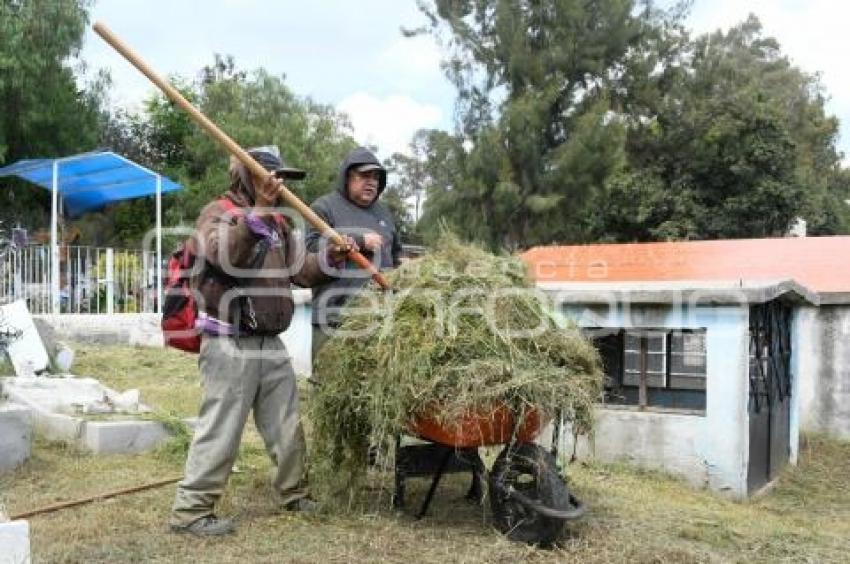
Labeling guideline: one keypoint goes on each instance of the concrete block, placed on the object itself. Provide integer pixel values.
(146, 333)
(56, 415)
(15, 543)
(140, 329)
(121, 437)
(15, 436)
(58, 427)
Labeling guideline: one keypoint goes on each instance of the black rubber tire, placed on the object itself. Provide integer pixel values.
(531, 470)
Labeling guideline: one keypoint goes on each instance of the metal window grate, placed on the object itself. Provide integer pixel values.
(770, 354)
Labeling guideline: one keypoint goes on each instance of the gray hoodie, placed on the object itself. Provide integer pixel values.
(348, 218)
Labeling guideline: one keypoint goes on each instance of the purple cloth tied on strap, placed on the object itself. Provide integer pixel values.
(213, 326)
(259, 228)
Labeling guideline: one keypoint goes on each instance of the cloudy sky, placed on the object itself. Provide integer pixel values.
(352, 54)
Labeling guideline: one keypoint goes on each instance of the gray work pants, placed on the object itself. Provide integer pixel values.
(240, 375)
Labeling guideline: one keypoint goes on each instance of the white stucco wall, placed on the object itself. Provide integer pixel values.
(821, 364)
(299, 339)
(140, 329)
(707, 450)
(143, 329)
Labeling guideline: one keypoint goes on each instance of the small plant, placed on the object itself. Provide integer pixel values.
(175, 448)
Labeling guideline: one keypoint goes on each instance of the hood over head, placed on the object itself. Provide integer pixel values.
(364, 159)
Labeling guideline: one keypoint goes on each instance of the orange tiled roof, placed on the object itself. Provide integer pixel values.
(822, 264)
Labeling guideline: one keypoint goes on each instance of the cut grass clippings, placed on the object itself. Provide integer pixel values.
(462, 333)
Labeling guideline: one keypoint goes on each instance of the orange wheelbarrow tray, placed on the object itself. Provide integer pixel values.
(479, 429)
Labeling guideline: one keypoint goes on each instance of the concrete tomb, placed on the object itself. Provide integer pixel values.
(83, 412)
(15, 435)
(15, 542)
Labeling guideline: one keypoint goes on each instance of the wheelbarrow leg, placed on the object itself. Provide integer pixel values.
(434, 483)
(400, 477)
(475, 492)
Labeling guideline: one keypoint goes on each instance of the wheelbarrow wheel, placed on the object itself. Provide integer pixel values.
(524, 484)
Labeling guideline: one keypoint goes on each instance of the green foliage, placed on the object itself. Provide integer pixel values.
(254, 109)
(176, 447)
(126, 268)
(536, 136)
(45, 113)
(738, 146)
(410, 181)
(605, 121)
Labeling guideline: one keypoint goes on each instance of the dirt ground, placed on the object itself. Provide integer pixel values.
(633, 516)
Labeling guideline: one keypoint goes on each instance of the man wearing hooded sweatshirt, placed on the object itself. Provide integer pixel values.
(352, 208)
(244, 302)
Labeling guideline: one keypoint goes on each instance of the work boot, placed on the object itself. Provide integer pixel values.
(208, 526)
(302, 505)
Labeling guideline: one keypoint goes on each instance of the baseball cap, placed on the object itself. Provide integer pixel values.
(269, 158)
(368, 166)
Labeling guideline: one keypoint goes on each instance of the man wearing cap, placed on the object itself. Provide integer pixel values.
(244, 302)
(352, 208)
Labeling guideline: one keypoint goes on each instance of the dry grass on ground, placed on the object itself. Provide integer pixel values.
(633, 516)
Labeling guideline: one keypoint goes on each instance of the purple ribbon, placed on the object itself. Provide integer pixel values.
(213, 326)
(259, 228)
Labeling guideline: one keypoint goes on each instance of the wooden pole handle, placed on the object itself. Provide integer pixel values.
(107, 495)
(234, 149)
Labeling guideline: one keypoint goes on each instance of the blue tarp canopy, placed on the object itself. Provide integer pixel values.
(90, 181)
(87, 182)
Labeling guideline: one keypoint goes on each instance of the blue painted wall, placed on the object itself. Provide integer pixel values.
(709, 449)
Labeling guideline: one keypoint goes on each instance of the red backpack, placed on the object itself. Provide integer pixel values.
(179, 308)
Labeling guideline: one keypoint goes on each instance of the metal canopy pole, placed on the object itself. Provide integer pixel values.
(54, 248)
(158, 244)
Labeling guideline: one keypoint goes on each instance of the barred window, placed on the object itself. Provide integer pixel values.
(654, 367)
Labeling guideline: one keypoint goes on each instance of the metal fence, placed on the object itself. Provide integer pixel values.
(91, 279)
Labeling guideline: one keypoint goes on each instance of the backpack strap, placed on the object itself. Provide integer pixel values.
(280, 221)
(230, 207)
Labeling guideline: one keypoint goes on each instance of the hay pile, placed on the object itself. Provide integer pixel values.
(446, 336)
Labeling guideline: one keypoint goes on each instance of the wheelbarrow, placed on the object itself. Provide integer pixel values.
(529, 500)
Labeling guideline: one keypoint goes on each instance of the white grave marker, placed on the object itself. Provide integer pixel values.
(27, 353)
(15, 542)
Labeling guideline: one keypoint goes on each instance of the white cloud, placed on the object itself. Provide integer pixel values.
(411, 60)
(388, 122)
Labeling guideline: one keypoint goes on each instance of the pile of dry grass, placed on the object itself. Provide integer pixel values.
(463, 330)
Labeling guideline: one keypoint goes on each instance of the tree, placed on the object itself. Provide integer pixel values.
(254, 108)
(45, 113)
(257, 109)
(410, 181)
(583, 121)
(537, 131)
(738, 146)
